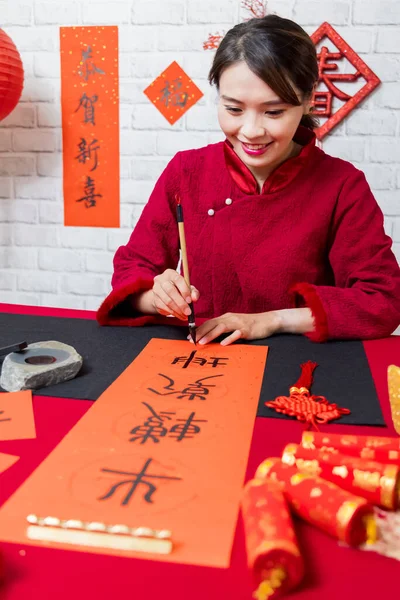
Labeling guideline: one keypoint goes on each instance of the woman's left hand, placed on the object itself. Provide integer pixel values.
(242, 326)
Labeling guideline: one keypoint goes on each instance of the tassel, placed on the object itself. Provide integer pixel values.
(306, 378)
(300, 404)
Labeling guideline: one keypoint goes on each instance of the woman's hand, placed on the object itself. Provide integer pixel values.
(171, 295)
(243, 326)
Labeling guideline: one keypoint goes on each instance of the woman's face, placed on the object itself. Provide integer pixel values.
(259, 125)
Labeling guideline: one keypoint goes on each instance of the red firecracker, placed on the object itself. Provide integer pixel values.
(273, 554)
(11, 75)
(371, 447)
(377, 482)
(339, 513)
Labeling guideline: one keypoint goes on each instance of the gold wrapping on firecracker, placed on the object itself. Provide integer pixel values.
(379, 448)
(397, 493)
(394, 395)
(351, 513)
(272, 551)
(371, 528)
(265, 467)
(375, 481)
(268, 587)
(322, 503)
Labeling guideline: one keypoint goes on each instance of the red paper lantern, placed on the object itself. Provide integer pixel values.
(11, 75)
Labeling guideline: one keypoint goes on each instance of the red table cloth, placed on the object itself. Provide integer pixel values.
(332, 571)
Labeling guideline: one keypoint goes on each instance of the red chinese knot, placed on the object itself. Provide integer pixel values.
(313, 410)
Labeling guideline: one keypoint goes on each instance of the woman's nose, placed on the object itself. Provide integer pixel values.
(252, 128)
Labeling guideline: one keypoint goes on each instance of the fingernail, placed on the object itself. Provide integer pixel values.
(187, 311)
(188, 299)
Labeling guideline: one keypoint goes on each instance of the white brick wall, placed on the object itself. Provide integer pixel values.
(42, 262)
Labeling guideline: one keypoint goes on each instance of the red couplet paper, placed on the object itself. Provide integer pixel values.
(16, 416)
(164, 447)
(6, 461)
(90, 125)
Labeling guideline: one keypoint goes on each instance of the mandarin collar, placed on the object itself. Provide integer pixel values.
(282, 175)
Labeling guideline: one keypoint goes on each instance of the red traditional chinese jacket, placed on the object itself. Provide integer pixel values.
(313, 237)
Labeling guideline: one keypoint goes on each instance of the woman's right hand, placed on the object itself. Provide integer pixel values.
(172, 295)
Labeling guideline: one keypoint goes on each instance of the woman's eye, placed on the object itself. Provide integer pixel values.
(233, 109)
(274, 113)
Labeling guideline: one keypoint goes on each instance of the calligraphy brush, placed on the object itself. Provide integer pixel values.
(182, 241)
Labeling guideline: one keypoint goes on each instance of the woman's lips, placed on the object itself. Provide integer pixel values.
(255, 149)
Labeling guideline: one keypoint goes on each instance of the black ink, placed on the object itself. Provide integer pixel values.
(152, 428)
(136, 479)
(88, 67)
(172, 93)
(2, 420)
(194, 390)
(90, 197)
(88, 152)
(200, 360)
(186, 359)
(88, 106)
(187, 429)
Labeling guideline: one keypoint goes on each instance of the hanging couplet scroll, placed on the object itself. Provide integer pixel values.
(164, 449)
(334, 80)
(90, 124)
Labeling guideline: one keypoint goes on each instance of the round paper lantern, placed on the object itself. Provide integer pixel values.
(11, 75)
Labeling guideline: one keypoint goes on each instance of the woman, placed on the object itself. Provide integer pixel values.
(281, 237)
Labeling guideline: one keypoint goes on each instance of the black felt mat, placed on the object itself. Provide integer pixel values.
(343, 374)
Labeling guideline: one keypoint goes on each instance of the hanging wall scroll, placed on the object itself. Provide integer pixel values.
(90, 125)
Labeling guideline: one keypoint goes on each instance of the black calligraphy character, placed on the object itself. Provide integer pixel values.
(88, 152)
(90, 197)
(166, 387)
(199, 360)
(135, 480)
(166, 93)
(2, 420)
(171, 93)
(180, 98)
(216, 361)
(198, 389)
(186, 429)
(88, 67)
(87, 103)
(186, 359)
(152, 428)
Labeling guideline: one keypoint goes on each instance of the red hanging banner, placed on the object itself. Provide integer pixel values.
(90, 122)
(331, 76)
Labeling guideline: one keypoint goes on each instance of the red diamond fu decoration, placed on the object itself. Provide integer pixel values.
(173, 93)
(329, 76)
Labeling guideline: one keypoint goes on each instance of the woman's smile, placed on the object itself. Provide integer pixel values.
(255, 149)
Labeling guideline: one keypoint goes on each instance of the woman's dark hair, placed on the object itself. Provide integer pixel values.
(278, 51)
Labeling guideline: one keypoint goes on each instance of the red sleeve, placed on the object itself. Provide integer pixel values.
(152, 248)
(365, 301)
